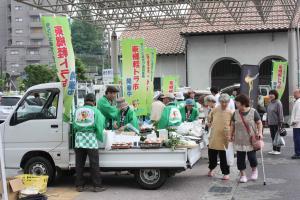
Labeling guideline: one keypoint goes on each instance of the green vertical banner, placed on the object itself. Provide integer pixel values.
(134, 73)
(150, 58)
(279, 76)
(57, 29)
(170, 84)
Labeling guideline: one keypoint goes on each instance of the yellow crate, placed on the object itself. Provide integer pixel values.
(33, 181)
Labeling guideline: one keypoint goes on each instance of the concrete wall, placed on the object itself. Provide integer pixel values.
(204, 51)
(171, 65)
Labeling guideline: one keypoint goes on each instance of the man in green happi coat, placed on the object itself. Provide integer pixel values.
(107, 107)
(170, 116)
(126, 118)
(88, 124)
(189, 113)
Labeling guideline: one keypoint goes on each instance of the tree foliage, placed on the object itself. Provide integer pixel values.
(37, 74)
(86, 38)
(80, 70)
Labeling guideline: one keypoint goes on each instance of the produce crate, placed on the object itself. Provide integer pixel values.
(33, 181)
(150, 145)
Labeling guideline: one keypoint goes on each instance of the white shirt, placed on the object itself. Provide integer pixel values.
(295, 117)
(217, 96)
(231, 105)
(156, 110)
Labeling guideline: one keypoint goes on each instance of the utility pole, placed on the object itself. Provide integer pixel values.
(114, 57)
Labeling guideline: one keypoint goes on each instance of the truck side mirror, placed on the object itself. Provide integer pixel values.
(13, 119)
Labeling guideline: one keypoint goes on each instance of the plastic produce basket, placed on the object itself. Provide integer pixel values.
(150, 145)
(33, 181)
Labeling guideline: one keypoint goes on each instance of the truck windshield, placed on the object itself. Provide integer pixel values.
(9, 101)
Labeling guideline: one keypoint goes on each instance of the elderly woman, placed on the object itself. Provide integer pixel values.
(245, 123)
(219, 120)
(210, 102)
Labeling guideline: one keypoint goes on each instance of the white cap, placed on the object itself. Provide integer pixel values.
(179, 96)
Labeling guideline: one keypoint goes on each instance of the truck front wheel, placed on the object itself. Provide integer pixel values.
(40, 166)
(151, 179)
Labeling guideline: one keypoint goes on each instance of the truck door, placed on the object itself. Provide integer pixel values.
(36, 124)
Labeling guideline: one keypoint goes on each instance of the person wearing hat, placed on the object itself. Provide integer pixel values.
(180, 100)
(170, 116)
(126, 115)
(189, 113)
(191, 95)
(157, 108)
(88, 126)
(107, 107)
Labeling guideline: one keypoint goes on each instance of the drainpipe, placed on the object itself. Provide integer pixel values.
(298, 57)
(186, 63)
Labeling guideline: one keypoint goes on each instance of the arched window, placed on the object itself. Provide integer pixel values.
(225, 72)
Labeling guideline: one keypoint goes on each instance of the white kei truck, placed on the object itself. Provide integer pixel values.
(37, 140)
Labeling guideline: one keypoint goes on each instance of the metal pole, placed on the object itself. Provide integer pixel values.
(3, 175)
(293, 72)
(114, 56)
(298, 56)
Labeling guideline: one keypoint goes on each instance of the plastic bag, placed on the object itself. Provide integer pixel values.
(109, 135)
(278, 140)
(230, 154)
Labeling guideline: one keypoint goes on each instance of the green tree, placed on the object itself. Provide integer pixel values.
(80, 70)
(86, 38)
(20, 84)
(37, 74)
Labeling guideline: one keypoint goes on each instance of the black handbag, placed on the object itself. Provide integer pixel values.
(282, 132)
(35, 197)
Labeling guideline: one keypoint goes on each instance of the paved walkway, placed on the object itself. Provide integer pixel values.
(282, 173)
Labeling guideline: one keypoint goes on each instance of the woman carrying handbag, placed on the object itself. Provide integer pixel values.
(246, 135)
(275, 118)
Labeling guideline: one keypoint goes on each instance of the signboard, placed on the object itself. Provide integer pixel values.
(249, 83)
(108, 76)
(57, 29)
(279, 75)
(170, 84)
(150, 59)
(134, 74)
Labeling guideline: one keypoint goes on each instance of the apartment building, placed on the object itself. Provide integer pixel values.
(22, 40)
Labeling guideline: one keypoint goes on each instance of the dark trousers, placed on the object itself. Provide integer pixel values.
(241, 159)
(213, 160)
(81, 155)
(273, 130)
(296, 134)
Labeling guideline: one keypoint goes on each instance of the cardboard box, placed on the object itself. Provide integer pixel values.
(14, 186)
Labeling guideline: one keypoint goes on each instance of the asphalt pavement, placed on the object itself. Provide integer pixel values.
(282, 183)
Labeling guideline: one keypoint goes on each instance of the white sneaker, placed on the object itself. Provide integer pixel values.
(276, 153)
(271, 152)
(243, 179)
(254, 175)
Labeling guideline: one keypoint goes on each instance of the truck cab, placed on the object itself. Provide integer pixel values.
(35, 136)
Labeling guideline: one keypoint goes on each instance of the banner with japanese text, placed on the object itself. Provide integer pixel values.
(150, 58)
(57, 29)
(170, 84)
(134, 74)
(279, 75)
